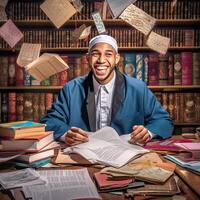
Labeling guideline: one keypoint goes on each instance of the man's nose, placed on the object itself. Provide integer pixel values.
(101, 58)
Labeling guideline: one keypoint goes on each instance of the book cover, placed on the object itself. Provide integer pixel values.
(186, 63)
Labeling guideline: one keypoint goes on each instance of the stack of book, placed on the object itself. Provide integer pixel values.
(30, 138)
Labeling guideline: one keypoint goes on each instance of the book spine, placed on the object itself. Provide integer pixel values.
(177, 70)
(20, 106)
(196, 68)
(163, 69)
(11, 106)
(130, 64)
(153, 69)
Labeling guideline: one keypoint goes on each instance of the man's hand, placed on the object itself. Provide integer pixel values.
(139, 135)
(75, 136)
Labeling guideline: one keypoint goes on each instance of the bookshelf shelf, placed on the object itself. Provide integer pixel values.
(186, 124)
(161, 88)
(121, 49)
(107, 22)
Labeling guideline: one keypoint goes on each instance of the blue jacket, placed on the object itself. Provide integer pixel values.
(133, 104)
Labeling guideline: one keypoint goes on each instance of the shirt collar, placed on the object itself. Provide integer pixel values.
(109, 86)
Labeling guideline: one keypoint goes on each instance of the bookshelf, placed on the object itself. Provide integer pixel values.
(37, 28)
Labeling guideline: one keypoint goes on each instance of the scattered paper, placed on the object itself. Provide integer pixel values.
(117, 6)
(98, 22)
(3, 15)
(58, 11)
(10, 33)
(20, 178)
(3, 3)
(63, 184)
(138, 19)
(158, 43)
(77, 33)
(28, 53)
(86, 32)
(77, 5)
(174, 2)
(46, 66)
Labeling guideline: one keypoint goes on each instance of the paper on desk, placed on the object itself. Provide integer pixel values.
(28, 53)
(21, 178)
(63, 184)
(158, 43)
(10, 33)
(58, 11)
(138, 19)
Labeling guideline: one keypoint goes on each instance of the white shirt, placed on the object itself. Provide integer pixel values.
(103, 102)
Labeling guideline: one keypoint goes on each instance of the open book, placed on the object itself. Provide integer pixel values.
(106, 147)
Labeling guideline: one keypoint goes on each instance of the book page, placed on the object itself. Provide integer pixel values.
(106, 147)
(28, 53)
(86, 32)
(10, 33)
(77, 5)
(77, 33)
(58, 11)
(98, 22)
(138, 19)
(158, 43)
(117, 6)
(45, 66)
(62, 184)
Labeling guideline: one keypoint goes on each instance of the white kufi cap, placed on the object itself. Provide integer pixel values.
(103, 39)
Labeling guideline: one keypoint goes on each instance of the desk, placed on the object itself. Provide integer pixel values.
(189, 184)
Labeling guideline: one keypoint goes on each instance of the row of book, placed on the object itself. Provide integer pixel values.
(34, 145)
(155, 69)
(126, 37)
(24, 106)
(28, 10)
(182, 107)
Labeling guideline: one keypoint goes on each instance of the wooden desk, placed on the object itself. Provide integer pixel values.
(189, 184)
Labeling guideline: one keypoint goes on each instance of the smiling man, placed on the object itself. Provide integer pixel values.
(105, 97)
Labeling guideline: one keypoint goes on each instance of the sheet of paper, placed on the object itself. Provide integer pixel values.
(20, 178)
(10, 33)
(106, 147)
(77, 33)
(45, 66)
(3, 15)
(117, 6)
(58, 11)
(86, 32)
(28, 53)
(158, 43)
(3, 3)
(138, 19)
(77, 5)
(98, 22)
(62, 184)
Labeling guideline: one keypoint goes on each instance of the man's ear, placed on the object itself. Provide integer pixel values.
(117, 58)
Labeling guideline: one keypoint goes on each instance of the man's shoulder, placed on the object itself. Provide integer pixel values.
(133, 82)
(79, 81)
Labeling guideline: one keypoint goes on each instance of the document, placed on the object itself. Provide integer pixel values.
(77, 33)
(10, 33)
(158, 43)
(98, 22)
(20, 178)
(77, 5)
(86, 32)
(138, 19)
(58, 11)
(63, 184)
(28, 53)
(45, 66)
(3, 15)
(106, 147)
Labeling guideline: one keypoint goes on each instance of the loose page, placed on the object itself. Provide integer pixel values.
(117, 6)
(138, 19)
(77, 33)
(28, 53)
(20, 178)
(10, 33)
(98, 22)
(106, 147)
(63, 184)
(158, 43)
(77, 5)
(58, 11)
(45, 66)
(86, 32)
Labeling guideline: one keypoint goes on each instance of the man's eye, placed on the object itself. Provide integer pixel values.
(108, 54)
(95, 54)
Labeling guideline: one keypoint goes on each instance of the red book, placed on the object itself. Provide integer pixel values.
(186, 63)
(12, 107)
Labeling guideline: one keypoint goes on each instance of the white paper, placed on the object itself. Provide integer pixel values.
(63, 184)
(106, 147)
(98, 22)
(158, 43)
(86, 32)
(138, 19)
(20, 178)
